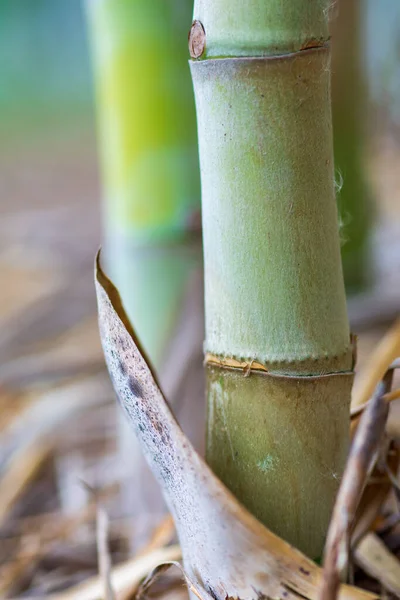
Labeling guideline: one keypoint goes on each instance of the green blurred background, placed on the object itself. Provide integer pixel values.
(45, 77)
(46, 87)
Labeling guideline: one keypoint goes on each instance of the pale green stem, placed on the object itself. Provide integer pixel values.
(274, 294)
(349, 102)
(147, 138)
(149, 167)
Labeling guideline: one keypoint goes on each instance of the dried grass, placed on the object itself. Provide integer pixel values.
(58, 427)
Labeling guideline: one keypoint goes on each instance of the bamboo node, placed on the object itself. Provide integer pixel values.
(246, 365)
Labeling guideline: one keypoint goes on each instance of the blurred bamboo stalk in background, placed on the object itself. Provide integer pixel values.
(147, 137)
(349, 107)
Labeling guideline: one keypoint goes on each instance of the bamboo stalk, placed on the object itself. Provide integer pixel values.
(349, 101)
(147, 138)
(274, 293)
(146, 121)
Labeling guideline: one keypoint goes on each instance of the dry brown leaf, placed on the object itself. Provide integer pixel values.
(39, 324)
(31, 435)
(382, 388)
(47, 411)
(36, 544)
(227, 552)
(161, 536)
(375, 559)
(126, 575)
(25, 287)
(76, 351)
(393, 425)
(21, 470)
(385, 353)
(389, 397)
(160, 570)
(363, 454)
(374, 495)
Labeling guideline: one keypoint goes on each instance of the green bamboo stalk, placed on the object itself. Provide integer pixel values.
(278, 351)
(348, 110)
(149, 167)
(147, 140)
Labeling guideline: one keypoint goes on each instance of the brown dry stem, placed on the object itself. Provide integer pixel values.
(379, 362)
(364, 448)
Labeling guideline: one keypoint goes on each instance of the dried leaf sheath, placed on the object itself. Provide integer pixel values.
(227, 552)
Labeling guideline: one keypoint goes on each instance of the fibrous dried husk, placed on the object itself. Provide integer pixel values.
(226, 551)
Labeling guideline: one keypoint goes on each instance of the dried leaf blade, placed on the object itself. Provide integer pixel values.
(226, 551)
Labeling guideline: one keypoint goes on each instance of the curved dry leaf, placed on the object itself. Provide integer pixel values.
(374, 496)
(384, 354)
(364, 452)
(125, 577)
(226, 551)
(160, 570)
(375, 559)
(383, 387)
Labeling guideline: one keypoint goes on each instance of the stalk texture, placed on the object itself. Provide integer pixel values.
(278, 352)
